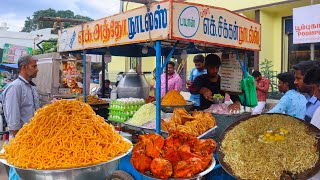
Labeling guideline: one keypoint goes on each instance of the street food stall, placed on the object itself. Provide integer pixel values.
(60, 75)
(8, 73)
(161, 29)
(164, 29)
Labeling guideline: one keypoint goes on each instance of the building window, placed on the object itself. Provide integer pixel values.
(295, 53)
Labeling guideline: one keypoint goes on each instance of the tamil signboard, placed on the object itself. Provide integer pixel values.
(212, 25)
(166, 20)
(12, 53)
(129, 27)
(306, 24)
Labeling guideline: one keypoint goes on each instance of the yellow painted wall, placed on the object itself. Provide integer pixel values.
(228, 4)
(277, 42)
(267, 34)
(148, 64)
(235, 4)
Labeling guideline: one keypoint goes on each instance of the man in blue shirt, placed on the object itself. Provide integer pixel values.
(300, 70)
(292, 103)
(199, 69)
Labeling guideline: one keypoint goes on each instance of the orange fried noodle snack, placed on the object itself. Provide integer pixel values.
(173, 98)
(65, 134)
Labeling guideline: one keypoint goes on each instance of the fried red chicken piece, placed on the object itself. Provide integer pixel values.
(154, 144)
(140, 161)
(204, 147)
(139, 146)
(161, 168)
(171, 155)
(173, 142)
(187, 169)
(205, 161)
(185, 153)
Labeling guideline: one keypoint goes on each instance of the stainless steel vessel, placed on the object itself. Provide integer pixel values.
(133, 85)
(95, 172)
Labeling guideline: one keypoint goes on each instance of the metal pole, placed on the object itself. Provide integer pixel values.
(103, 77)
(84, 76)
(312, 45)
(167, 78)
(158, 86)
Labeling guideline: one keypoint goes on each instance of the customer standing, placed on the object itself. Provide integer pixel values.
(199, 69)
(300, 70)
(262, 86)
(20, 99)
(292, 102)
(312, 78)
(174, 80)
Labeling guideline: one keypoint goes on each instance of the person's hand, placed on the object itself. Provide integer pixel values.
(189, 84)
(235, 107)
(206, 93)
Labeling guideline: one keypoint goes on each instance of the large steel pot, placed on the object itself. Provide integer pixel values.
(133, 85)
(95, 172)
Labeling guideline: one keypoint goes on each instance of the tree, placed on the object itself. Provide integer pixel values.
(32, 23)
(48, 46)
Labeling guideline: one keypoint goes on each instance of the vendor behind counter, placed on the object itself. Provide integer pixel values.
(107, 89)
(208, 84)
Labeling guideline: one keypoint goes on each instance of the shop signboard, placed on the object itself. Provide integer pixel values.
(306, 24)
(231, 73)
(213, 25)
(165, 20)
(133, 26)
(12, 53)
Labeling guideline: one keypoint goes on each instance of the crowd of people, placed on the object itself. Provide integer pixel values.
(301, 88)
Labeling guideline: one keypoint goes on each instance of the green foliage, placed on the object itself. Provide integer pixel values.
(48, 47)
(266, 71)
(32, 23)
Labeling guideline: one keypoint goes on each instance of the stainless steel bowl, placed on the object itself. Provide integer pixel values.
(218, 100)
(169, 109)
(95, 172)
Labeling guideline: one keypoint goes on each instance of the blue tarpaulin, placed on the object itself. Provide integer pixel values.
(14, 66)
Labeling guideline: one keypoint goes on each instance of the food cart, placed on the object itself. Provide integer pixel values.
(60, 76)
(165, 28)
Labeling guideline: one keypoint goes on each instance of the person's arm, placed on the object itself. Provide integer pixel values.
(178, 84)
(190, 77)
(281, 106)
(196, 86)
(316, 118)
(12, 109)
(264, 87)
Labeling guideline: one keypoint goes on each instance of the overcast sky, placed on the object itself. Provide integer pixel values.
(15, 12)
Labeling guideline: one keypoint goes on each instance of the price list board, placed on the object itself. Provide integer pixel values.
(231, 73)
